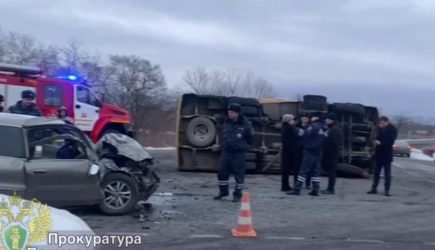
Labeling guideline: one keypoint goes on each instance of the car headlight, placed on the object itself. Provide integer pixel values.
(94, 169)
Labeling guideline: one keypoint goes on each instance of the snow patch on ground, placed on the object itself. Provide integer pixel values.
(417, 154)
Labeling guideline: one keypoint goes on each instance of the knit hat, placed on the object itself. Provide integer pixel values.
(235, 107)
(27, 94)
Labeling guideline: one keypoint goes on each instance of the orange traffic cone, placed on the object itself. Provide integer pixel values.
(244, 226)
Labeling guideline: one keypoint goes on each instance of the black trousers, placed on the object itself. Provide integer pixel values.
(387, 172)
(330, 165)
(232, 164)
(288, 162)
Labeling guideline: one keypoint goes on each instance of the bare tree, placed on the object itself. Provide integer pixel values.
(232, 82)
(133, 84)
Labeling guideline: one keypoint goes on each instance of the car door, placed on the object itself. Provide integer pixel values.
(86, 108)
(12, 158)
(60, 181)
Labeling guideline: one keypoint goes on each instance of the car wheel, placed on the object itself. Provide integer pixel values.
(120, 194)
(201, 131)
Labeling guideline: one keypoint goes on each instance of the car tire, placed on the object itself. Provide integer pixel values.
(201, 132)
(118, 182)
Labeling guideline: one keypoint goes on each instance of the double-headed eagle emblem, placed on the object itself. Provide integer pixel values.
(23, 223)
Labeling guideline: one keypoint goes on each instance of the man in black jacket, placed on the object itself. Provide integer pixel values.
(331, 154)
(288, 150)
(384, 142)
(238, 137)
(2, 99)
(312, 156)
(26, 106)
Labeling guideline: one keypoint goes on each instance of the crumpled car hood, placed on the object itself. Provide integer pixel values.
(125, 145)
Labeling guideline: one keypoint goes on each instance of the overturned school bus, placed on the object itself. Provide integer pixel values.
(200, 123)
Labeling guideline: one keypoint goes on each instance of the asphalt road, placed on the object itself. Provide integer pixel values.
(183, 215)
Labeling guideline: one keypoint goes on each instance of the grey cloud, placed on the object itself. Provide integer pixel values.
(325, 45)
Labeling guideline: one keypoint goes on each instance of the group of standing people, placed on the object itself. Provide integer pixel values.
(308, 143)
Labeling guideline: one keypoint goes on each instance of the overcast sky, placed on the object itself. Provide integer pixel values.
(356, 50)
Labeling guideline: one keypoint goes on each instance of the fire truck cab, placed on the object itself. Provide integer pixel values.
(87, 111)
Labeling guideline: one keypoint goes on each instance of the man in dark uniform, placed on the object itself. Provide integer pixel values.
(238, 137)
(26, 106)
(331, 153)
(384, 142)
(2, 99)
(312, 156)
(288, 150)
(304, 122)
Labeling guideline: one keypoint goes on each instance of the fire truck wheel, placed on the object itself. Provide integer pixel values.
(201, 132)
(120, 194)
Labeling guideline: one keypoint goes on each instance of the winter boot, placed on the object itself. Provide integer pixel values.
(297, 189)
(285, 185)
(314, 192)
(372, 191)
(327, 191)
(237, 195)
(223, 192)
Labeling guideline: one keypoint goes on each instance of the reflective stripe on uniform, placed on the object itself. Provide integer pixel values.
(315, 179)
(223, 183)
(301, 178)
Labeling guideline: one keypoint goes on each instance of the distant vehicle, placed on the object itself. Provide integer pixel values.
(58, 164)
(429, 151)
(402, 148)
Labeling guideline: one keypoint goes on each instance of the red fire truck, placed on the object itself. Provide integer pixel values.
(87, 111)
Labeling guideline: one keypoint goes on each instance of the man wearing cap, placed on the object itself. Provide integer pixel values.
(26, 106)
(331, 154)
(312, 156)
(237, 138)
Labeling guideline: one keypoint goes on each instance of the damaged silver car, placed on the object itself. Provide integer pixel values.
(58, 164)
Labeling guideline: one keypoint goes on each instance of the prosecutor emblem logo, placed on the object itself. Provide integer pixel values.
(23, 223)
